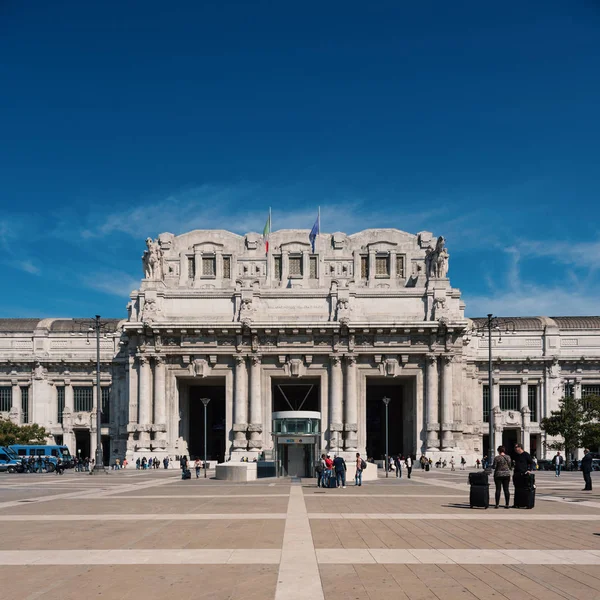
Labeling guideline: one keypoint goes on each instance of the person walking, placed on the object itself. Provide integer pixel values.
(586, 468)
(409, 464)
(339, 465)
(197, 467)
(502, 465)
(463, 463)
(452, 463)
(558, 461)
(360, 463)
(478, 463)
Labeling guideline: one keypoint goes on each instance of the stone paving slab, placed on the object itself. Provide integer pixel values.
(219, 534)
(132, 582)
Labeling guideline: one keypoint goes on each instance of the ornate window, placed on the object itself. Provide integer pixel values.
(191, 267)
(25, 404)
(364, 267)
(295, 266)
(208, 266)
(486, 403)
(105, 404)
(60, 402)
(532, 402)
(5, 399)
(382, 266)
(83, 399)
(509, 397)
(400, 267)
(313, 267)
(227, 267)
(277, 267)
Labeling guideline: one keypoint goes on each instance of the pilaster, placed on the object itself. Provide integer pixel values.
(335, 404)
(432, 412)
(255, 426)
(446, 404)
(351, 405)
(240, 404)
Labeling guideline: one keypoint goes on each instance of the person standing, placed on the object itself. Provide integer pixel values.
(398, 464)
(197, 467)
(340, 471)
(359, 470)
(320, 470)
(409, 463)
(328, 471)
(586, 468)
(558, 463)
(524, 465)
(502, 465)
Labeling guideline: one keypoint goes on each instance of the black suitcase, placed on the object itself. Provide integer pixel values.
(478, 478)
(479, 496)
(332, 483)
(525, 492)
(187, 474)
(427, 466)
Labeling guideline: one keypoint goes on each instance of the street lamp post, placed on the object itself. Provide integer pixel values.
(386, 401)
(490, 325)
(205, 401)
(99, 459)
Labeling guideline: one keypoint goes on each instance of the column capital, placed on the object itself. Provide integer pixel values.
(256, 359)
(335, 360)
(142, 360)
(431, 358)
(240, 359)
(159, 360)
(448, 358)
(351, 359)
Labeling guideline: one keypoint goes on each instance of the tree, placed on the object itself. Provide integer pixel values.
(577, 422)
(21, 434)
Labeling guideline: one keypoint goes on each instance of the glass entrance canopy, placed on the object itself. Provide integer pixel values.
(296, 422)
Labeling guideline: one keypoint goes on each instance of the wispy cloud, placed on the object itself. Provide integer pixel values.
(25, 265)
(580, 254)
(116, 283)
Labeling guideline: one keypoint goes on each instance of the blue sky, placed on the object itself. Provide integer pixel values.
(477, 121)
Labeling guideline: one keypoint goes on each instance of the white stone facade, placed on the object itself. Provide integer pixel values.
(363, 315)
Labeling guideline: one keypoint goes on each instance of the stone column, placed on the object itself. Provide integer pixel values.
(335, 404)
(240, 404)
(255, 427)
(433, 418)
(351, 405)
(68, 435)
(577, 389)
(496, 413)
(524, 408)
(160, 403)
(15, 411)
(446, 404)
(145, 407)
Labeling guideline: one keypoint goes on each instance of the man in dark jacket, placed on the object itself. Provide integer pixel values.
(586, 467)
(339, 464)
(523, 466)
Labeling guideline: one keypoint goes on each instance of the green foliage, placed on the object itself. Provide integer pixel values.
(576, 421)
(21, 434)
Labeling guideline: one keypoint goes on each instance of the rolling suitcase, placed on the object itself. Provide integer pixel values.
(525, 493)
(479, 496)
(332, 483)
(186, 474)
(478, 478)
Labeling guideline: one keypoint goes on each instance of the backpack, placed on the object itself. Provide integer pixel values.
(363, 464)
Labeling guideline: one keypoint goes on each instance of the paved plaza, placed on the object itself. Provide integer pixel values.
(133, 534)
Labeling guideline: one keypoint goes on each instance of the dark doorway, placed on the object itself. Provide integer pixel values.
(215, 422)
(82, 443)
(376, 391)
(295, 394)
(106, 450)
(486, 446)
(509, 439)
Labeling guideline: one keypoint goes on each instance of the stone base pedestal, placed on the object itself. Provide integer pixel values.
(237, 471)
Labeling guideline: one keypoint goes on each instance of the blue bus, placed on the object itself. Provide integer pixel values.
(50, 453)
(9, 461)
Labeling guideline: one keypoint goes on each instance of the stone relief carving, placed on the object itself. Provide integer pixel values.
(152, 260)
(246, 311)
(198, 367)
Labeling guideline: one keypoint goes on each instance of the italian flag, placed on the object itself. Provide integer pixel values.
(267, 231)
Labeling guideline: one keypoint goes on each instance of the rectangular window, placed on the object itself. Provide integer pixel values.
(313, 267)
(364, 267)
(83, 399)
(208, 266)
(227, 267)
(60, 401)
(295, 266)
(509, 397)
(590, 390)
(569, 390)
(532, 402)
(25, 404)
(277, 267)
(191, 267)
(5, 399)
(382, 266)
(400, 267)
(105, 404)
(486, 403)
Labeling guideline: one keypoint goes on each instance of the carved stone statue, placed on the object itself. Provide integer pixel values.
(153, 260)
(436, 259)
